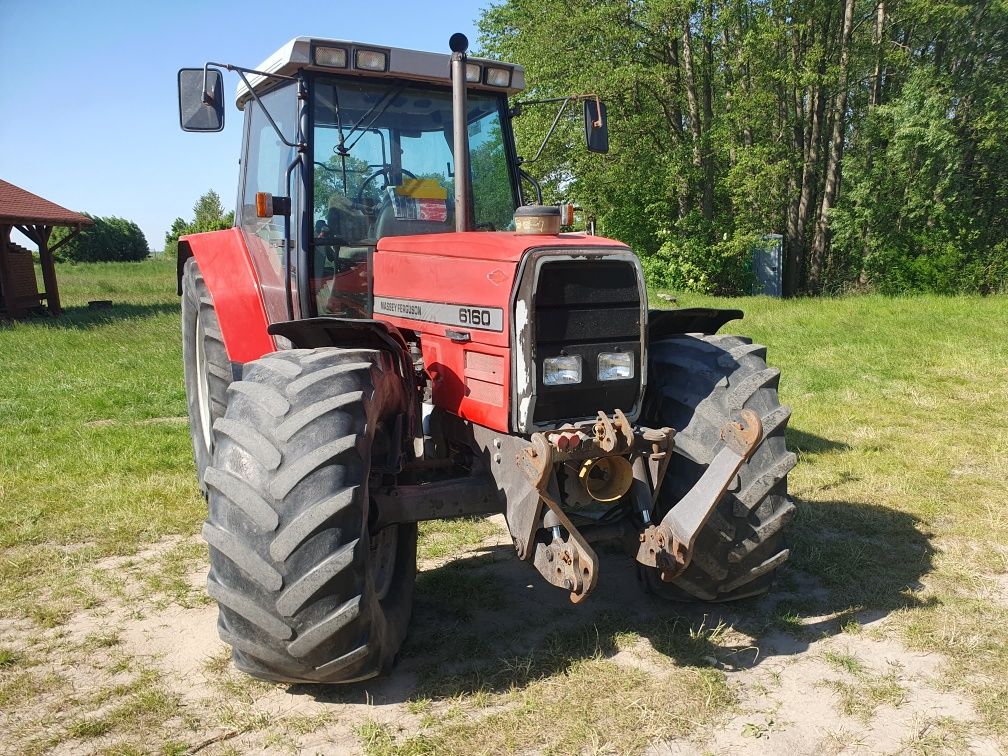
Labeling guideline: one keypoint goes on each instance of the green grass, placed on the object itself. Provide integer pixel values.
(902, 481)
(90, 467)
(576, 686)
(902, 489)
(439, 539)
(863, 695)
(8, 658)
(845, 662)
(860, 690)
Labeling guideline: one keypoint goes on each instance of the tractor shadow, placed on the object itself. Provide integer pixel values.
(808, 444)
(487, 622)
(86, 318)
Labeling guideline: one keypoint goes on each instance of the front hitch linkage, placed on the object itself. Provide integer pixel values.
(571, 563)
(668, 546)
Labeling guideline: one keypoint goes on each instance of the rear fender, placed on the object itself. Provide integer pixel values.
(226, 266)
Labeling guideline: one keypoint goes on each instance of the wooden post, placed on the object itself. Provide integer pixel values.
(48, 269)
(6, 285)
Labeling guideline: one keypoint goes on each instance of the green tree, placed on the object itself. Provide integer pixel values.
(927, 206)
(109, 239)
(869, 133)
(208, 215)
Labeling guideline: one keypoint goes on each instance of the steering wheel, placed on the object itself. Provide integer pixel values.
(385, 171)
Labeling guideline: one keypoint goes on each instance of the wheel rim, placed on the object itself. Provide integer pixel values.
(383, 559)
(202, 385)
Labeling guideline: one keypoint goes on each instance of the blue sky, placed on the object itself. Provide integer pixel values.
(89, 99)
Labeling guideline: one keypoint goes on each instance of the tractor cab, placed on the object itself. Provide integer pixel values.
(350, 143)
(383, 166)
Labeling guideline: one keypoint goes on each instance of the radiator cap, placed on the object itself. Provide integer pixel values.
(537, 219)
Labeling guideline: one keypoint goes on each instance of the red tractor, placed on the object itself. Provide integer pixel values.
(390, 335)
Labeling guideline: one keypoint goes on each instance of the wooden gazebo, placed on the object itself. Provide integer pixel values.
(36, 218)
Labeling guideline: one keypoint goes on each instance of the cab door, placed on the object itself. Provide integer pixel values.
(265, 160)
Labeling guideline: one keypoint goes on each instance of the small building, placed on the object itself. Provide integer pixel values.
(768, 267)
(36, 218)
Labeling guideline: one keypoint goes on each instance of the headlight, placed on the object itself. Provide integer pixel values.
(615, 366)
(371, 60)
(559, 371)
(498, 77)
(334, 57)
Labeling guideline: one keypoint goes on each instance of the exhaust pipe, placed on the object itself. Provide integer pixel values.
(460, 129)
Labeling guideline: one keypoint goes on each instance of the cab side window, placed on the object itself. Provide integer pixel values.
(266, 161)
(268, 158)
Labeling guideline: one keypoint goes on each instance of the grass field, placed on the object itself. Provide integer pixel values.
(901, 538)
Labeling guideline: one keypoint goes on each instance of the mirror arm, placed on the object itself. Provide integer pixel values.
(300, 146)
(552, 128)
(538, 189)
(597, 123)
(516, 110)
(207, 99)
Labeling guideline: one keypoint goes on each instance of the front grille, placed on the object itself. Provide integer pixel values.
(585, 306)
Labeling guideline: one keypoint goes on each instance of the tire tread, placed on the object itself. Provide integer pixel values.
(696, 384)
(287, 526)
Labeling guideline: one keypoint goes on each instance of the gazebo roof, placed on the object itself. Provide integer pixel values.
(20, 207)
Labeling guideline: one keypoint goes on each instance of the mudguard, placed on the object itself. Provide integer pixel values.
(705, 320)
(227, 268)
(360, 333)
(347, 333)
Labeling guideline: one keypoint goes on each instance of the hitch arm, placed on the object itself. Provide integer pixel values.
(570, 564)
(668, 546)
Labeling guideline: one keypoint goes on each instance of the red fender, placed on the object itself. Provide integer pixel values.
(226, 265)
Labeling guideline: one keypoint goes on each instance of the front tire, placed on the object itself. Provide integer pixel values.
(207, 369)
(307, 592)
(697, 383)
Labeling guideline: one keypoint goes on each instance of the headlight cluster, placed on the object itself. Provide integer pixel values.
(612, 366)
(492, 75)
(365, 60)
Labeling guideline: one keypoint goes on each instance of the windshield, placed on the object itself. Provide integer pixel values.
(384, 167)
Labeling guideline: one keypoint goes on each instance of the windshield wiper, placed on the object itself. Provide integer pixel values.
(342, 149)
(384, 102)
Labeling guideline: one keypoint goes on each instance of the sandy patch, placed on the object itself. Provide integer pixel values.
(783, 679)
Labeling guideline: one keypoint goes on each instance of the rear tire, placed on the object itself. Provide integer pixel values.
(696, 384)
(207, 368)
(307, 592)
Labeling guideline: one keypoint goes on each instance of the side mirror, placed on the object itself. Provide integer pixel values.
(596, 126)
(201, 108)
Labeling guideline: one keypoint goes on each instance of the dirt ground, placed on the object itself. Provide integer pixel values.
(804, 685)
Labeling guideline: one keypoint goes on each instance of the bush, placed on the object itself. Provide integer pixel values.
(683, 263)
(108, 240)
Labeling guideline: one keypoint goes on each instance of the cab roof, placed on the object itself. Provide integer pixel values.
(415, 65)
